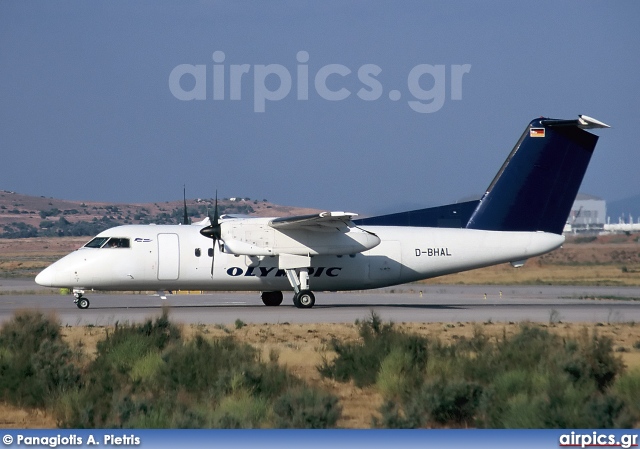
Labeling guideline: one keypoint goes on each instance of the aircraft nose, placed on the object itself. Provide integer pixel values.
(45, 277)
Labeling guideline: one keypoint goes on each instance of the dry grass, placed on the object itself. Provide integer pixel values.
(536, 273)
(17, 418)
(612, 260)
(301, 348)
(27, 257)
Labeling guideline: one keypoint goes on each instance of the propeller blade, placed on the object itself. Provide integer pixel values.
(216, 220)
(213, 231)
(213, 254)
(185, 219)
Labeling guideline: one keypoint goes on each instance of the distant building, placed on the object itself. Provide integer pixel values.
(587, 210)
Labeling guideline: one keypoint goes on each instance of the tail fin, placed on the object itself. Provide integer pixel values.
(538, 183)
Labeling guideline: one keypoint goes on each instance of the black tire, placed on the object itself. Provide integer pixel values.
(271, 299)
(83, 303)
(305, 299)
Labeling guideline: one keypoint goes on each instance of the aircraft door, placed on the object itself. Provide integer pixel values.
(386, 261)
(168, 257)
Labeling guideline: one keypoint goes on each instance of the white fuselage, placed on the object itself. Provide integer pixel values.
(177, 257)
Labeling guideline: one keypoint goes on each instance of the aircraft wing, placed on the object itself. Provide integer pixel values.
(324, 221)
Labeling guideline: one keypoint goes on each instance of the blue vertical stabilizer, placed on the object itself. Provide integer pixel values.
(538, 183)
(533, 191)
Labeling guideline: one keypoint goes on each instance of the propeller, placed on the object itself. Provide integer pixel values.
(185, 219)
(213, 231)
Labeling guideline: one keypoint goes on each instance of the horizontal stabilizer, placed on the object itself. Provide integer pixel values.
(583, 122)
(450, 216)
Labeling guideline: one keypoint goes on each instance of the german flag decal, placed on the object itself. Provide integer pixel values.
(536, 132)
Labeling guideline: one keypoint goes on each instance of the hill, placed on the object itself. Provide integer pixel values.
(30, 216)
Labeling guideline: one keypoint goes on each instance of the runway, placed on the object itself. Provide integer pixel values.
(406, 303)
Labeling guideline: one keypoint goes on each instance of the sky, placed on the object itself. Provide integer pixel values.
(338, 105)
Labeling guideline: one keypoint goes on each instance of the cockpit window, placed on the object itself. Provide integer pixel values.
(106, 242)
(96, 242)
(117, 243)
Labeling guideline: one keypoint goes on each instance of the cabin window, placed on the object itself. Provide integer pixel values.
(115, 242)
(210, 252)
(198, 252)
(96, 242)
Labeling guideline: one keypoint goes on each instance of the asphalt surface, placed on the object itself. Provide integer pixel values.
(406, 303)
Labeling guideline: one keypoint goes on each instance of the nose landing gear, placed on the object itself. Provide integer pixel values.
(80, 301)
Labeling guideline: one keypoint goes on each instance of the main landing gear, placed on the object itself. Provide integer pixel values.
(80, 301)
(271, 299)
(303, 298)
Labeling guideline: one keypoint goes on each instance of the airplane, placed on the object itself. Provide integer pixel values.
(521, 215)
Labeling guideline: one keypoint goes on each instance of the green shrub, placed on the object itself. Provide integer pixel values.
(124, 352)
(157, 333)
(24, 333)
(608, 411)
(361, 361)
(594, 360)
(306, 408)
(240, 410)
(148, 376)
(522, 411)
(531, 380)
(452, 403)
(147, 368)
(36, 365)
(200, 365)
(54, 369)
(392, 381)
(627, 387)
(392, 417)
(526, 350)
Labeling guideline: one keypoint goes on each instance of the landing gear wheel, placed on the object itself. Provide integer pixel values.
(271, 299)
(305, 299)
(82, 303)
